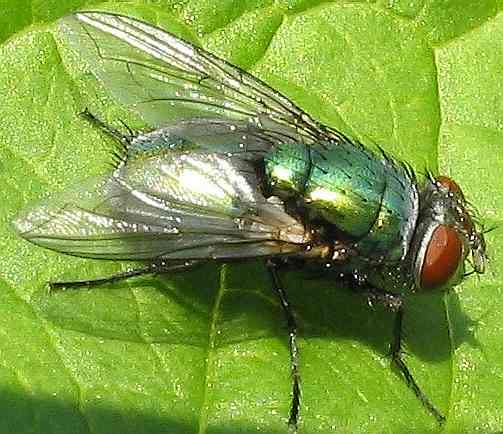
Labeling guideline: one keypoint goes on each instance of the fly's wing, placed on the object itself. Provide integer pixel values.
(166, 79)
(169, 205)
(236, 139)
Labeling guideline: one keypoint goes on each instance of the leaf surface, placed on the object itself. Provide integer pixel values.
(205, 352)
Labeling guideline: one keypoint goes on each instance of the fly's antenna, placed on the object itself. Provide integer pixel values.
(492, 228)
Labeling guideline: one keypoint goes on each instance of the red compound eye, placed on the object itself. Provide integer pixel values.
(455, 188)
(450, 184)
(442, 257)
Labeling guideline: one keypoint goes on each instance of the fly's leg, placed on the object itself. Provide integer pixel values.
(107, 129)
(292, 343)
(390, 301)
(124, 141)
(101, 280)
(394, 303)
(398, 362)
(150, 269)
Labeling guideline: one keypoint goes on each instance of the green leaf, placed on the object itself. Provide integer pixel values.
(207, 351)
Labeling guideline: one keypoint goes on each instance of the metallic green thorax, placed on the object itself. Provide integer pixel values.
(369, 198)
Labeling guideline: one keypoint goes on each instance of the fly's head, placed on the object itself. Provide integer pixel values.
(446, 235)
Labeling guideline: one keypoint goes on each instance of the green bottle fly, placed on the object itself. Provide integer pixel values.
(229, 169)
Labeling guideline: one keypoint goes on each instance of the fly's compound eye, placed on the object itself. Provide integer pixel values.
(451, 185)
(463, 217)
(442, 257)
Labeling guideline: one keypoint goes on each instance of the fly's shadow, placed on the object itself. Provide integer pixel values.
(180, 308)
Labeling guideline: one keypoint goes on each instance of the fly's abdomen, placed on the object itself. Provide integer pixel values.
(287, 169)
(345, 188)
(371, 200)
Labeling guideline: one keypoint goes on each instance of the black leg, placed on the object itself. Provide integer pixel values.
(98, 123)
(292, 342)
(150, 269)
(124, 141)
(398, 362)
(394, 303)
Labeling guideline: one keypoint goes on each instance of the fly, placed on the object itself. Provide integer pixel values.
(231, 169)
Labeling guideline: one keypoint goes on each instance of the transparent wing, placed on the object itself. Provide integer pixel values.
(165, 78)
(236, 139)
(168, 205)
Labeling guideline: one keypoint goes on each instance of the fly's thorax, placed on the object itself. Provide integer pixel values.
(370, 198)
(388, 239)
(376, 201)
(365, 199)
(445, 234)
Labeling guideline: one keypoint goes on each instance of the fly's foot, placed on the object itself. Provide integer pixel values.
(402, 369)
(398, 363)
(154, 268)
